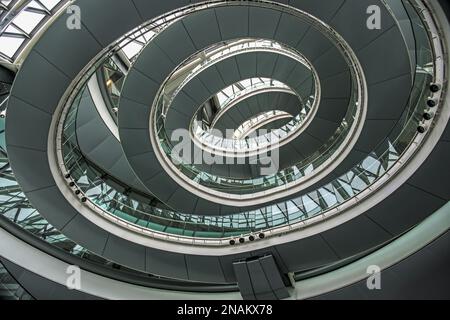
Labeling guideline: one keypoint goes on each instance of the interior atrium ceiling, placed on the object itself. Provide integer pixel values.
(256, 150)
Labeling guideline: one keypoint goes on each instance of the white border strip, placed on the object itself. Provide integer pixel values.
(46, 266)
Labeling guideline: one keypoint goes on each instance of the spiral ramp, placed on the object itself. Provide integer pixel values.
(355, 132)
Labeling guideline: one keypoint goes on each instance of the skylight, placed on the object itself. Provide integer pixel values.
(27, 19)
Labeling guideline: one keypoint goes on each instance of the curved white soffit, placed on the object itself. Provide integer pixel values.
(419, 237)
(53, 269)
(32, 259)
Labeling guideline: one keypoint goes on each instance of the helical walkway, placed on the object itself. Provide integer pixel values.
(243, 142)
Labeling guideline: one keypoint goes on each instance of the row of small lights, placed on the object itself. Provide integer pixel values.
(251, 238)
(72, 184)
(233, 242)
(431, 103)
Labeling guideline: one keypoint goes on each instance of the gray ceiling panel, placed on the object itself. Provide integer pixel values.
(55, 206)
(251, 107)
(163, 184)
(284, 67)
(337, 86)
(220, 170)
(335, 110)
(323, 10)
(273, 276)
(183, 199)
(291, 30)
(177, 120)
(226, 122)
(151, 9)
(206, 208)
(28, 85)
(202, 268)
(305, 88)
(135, 114)
(434, 173)
(123, 170)
(125, 252)
(35, 173)
(212, 80)
(306, 144)
(265, 64)
(381, 64)
(100, 146)
(355, 30)
(203, 28)
(237, 117)
(323, 130)
(177, 50)
(90, 134)
(404, 209)
(107, 154)
(282, 267)
(374, 132)
(356, 236)
(166, 264)
(446, 135)
(426, 269)
(233, 22)
(229, 70)
(349, 162)
(276, 124)
(388, 99)
(298, 76)
(197, 91)
(184, 104)
(36, 137)
(100, 13)
(140, 88)
(263, 22)
(154, 63)
(133, 149)
(227, 266)
(314, 45)
(247, 65)
(59, 49)
(87, 109)
(94, 237)
(290, 155)
(152, 169)
(330, 63)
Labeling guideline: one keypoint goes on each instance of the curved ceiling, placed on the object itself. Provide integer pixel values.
(369, 162)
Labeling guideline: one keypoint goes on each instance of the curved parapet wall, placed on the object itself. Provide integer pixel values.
(391, 192)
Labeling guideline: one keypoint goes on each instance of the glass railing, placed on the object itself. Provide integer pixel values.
(185, 226)
(247, 87)
(260, 120)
